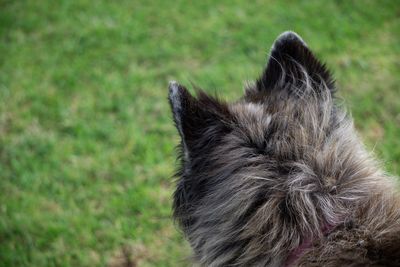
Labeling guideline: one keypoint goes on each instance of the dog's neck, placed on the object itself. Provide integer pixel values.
(296, 253)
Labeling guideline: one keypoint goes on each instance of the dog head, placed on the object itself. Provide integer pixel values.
(263, 173)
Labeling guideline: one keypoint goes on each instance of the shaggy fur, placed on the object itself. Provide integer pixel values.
(280, 178)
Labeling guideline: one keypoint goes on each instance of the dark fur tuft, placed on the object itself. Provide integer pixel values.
(292, 63)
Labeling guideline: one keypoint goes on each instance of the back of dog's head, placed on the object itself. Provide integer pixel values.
(277, 167)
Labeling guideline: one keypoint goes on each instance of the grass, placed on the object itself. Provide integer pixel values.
(86, 137)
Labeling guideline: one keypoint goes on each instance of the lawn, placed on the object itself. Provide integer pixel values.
(86, 137)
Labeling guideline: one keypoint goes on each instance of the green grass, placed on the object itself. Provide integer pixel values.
(86, 137)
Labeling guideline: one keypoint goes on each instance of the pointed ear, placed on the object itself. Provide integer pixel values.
(200, 121)
(292, 64)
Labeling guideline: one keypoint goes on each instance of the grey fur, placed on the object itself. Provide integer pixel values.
(279, 167)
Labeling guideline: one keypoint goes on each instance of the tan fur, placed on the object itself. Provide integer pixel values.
(369, 237)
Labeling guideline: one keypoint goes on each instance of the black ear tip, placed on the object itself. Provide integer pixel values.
(288, 37)
(174, 93)
(173, 87)
(290, 60)
(177, 94)
(175, 90)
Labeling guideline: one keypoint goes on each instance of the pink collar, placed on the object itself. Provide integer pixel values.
(296, 253)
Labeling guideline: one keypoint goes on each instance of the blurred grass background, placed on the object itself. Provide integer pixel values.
(86, 137)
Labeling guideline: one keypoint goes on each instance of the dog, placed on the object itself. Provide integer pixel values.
(280, 177)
